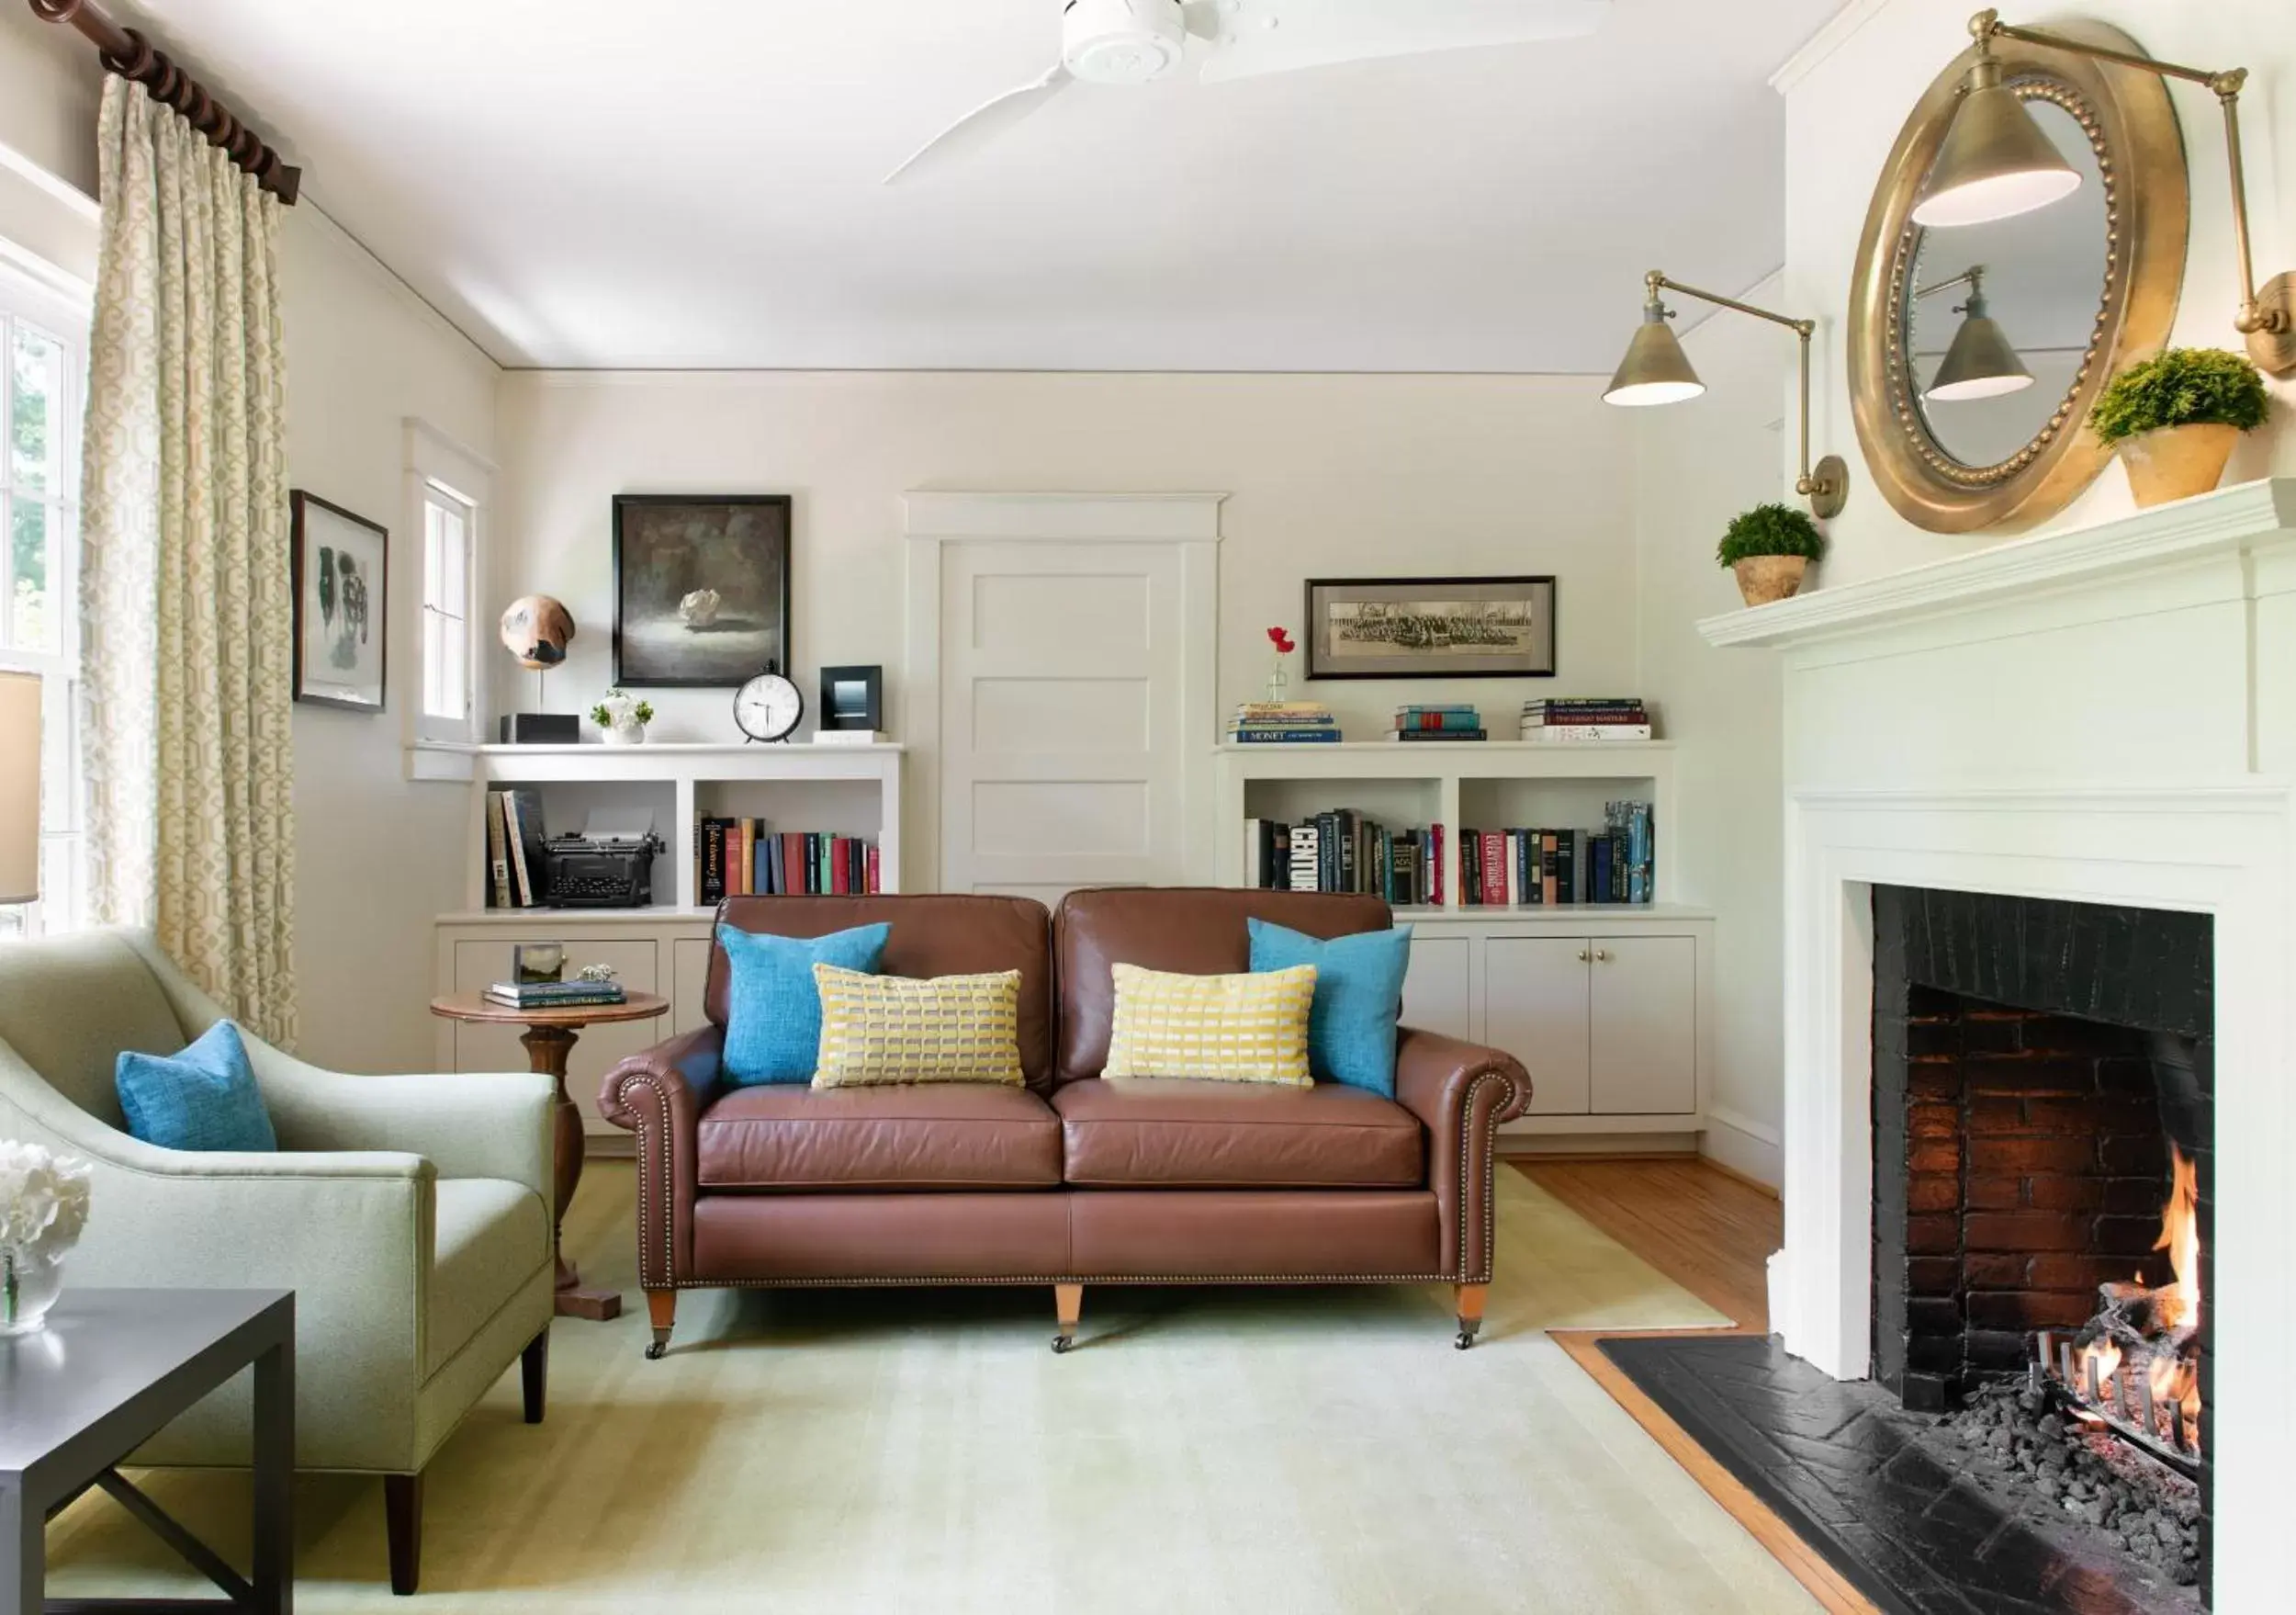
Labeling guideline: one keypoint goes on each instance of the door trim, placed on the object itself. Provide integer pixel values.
(1187, 522)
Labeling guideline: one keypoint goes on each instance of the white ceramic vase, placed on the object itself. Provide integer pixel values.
(625, 734)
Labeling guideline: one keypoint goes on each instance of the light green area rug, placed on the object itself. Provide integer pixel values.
(1269, 1451)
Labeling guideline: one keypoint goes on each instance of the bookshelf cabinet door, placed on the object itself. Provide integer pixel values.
(1435, 996)
(1535, 1006)
(1644, 995)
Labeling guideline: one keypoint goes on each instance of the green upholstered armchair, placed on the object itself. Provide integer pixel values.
(410, 1215)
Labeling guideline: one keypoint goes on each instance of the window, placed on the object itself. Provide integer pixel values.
(446, 522)
(43, 338)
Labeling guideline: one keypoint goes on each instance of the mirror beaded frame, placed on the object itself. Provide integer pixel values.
(2132, 128)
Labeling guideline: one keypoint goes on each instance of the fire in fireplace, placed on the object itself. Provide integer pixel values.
(2135, 1367)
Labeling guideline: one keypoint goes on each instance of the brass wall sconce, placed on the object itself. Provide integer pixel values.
(1996, 163)
(1657, 371)
(1980, 361)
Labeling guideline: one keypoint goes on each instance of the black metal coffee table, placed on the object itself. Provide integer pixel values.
(112, 1367)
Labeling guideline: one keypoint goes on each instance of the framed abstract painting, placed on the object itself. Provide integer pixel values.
(342, 573)
(701, 588)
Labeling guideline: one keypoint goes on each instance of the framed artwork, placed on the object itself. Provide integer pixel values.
(1431, 627)
(852, 697)
(341, 564)
(701, 588)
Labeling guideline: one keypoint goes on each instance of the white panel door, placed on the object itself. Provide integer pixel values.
(1062, 731)
(1435, 996)
(1644, 995)
(1535, 1006)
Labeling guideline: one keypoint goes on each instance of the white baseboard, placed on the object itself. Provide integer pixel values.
(1750, 1148)
(1518, 1146)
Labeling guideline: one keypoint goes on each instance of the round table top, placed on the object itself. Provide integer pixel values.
(476, 1006)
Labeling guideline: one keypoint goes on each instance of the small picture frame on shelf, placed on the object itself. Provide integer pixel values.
(852, 697)
(533, 962)
(1501, 628)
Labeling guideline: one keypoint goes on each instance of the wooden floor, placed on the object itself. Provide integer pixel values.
(1711, 1234)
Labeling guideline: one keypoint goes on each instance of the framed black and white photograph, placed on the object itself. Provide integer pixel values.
(1431, 627)
(700, 587)
(341, 564)
(852, 697)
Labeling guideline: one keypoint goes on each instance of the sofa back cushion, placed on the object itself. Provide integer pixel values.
(70, 1005)
(932, 934)
(1192, 930)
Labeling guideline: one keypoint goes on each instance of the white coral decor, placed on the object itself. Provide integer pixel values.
(43, 1206)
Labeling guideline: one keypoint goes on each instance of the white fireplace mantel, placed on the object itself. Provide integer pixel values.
(2104, 717)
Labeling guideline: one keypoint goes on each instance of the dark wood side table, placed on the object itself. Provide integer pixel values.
(549, 1037)
(110, 1369)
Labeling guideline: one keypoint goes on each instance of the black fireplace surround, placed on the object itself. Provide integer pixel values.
(2033, 1061)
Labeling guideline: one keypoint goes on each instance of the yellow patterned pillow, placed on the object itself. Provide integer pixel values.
(1220, 1028)
(883, 1029)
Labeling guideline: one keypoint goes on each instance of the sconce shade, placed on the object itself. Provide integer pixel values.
(1980, 363)
(19, 787)
(1655, 370)
(1995, 164)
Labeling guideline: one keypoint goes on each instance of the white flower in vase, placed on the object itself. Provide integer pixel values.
(43, 1206)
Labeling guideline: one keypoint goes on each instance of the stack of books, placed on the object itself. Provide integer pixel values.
(1342, 850)
(1438, 723)
(741, 857)
(1283, 723)
(1587, 718)
(556, 995)
(1516, 868)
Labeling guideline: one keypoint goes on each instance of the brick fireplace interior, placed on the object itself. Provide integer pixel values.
(2033, 1064)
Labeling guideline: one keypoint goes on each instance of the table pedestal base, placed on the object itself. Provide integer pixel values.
(546, 1051)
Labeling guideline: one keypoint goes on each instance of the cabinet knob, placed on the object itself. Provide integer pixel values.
(1583, 955)
(1602, 955)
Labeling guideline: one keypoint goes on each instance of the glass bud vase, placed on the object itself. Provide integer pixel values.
(29, 1282)
(1278, 683)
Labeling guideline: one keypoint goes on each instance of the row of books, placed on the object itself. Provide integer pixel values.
(1587, 718)
(741, 857)
(517, 877)
(1283, 723)
(1342, 851)
(1448, 722)
(556, 995)
(1544, 867)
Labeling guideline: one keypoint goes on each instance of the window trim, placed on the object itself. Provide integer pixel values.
(435, 460)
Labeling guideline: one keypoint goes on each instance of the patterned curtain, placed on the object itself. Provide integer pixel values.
(186, 600)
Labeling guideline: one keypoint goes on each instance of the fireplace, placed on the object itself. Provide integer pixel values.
(2041, 1126)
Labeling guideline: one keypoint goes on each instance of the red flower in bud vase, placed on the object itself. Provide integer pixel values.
(1281, 641)
(1277, 681)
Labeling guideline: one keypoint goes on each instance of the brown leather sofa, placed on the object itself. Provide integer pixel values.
(1070, 1179)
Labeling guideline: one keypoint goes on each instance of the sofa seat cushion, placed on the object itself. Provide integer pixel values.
(1180, 1133)
(491, 1236)
(922, 1135)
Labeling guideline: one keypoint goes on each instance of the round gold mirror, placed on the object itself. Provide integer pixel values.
(1977, 349)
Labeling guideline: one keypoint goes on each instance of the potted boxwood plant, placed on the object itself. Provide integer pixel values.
(2175, 418)
(1769, 548)
(624, 718)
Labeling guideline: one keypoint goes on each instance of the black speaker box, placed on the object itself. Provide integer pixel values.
(541, 729)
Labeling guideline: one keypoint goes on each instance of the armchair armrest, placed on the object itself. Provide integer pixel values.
(1460, 1092)
(659, 1095)
(490, 1126)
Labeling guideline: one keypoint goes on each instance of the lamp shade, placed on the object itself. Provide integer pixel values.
(1655, 370)
(1996, 162)
(1980, 363)
(19, 787)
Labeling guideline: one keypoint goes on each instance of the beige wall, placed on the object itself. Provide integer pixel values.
(1330, 476)
(49, 85)
(1844, 107)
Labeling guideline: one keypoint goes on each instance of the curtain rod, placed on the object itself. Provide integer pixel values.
(127, 54)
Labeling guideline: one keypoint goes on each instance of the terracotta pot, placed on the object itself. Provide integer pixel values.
(2177, 462)
(1764, 578)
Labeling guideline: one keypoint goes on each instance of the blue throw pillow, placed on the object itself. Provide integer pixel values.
(773, 1013)
(204, 1098)
(1358, 997)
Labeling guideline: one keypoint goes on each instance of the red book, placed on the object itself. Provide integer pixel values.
(1494, 872)
(839, 885)
(873, 871)
(1434, 882)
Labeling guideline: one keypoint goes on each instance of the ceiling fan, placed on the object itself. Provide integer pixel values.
(1135, 41)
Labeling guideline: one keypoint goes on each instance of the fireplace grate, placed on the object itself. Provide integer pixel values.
(2121, 1402)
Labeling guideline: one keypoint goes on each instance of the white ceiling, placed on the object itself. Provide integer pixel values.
(693, 183)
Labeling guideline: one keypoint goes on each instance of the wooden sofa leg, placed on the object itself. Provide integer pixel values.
(534, 1373)
(1470, 1301)
(661, 1309)
(1068, 1300)
(402, 1512)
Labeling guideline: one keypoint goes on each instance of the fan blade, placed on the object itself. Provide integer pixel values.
(1260, 37)
(985, 123)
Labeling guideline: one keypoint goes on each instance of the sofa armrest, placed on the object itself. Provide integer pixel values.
(1460, 1092)
(492, 1126)
(659, 1095)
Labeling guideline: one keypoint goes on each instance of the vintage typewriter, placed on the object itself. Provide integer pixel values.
(607, 867)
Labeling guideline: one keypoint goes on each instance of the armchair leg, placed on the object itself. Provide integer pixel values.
(402, 1511)
(1068, 1302)
(662, 1310)
(534, 1373)
(1470, 1305)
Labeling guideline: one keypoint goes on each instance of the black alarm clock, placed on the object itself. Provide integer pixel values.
(768, 707)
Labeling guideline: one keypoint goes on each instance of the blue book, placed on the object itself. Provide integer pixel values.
(1283, 737)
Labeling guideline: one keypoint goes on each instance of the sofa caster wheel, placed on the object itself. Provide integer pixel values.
(657, 1349)
(1063, 1344)
(1464, 1339)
